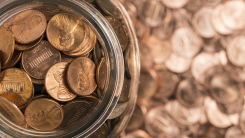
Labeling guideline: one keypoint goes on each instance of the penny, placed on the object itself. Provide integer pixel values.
(137, 119)
(235, 51)
(186, 42)
(217, 22)
(28, 26)
(194, 5)
(91, 99)
(129, 61)
(161, 50)
(202, 63)
(124, 97)
(158, 122)
(23, 47)
(44, 114)
(224, 89)
(232, 14)
(175, 3)
(75, 112)
(16, 86)
(184, 115)
(48, 11)
(146, 57)
(201, 22)
(65, 58)
(11, 112)
(65, 32)
(118, 110)
(190, 93)
(81, 76)
(97, 55)
(38, 60)
(215, 117)
(232, 108)
(234, 132)
(120, 32)
(37, 81)
(138, 134)
(152, 12)
(109, 8)
(178, 64)
(148, 84)
(101, 74)
(55, 83)
(89, 1)
(14, 59)
(169, 83)
(6, 46)
(102, 132)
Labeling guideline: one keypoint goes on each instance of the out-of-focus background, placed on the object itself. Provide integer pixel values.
(192, 68)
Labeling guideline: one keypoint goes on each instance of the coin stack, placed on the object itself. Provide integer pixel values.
(193, 68)
(54, 69)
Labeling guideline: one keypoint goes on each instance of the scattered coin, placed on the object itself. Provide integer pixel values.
(178, 64)
(81, 76)
(33, 60)
(44, 114)
(55, 83)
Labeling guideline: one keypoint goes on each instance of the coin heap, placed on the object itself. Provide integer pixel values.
(193, 68)
(54, 70)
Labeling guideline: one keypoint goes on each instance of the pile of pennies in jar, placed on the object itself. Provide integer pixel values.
(192, 68)
(53, 69)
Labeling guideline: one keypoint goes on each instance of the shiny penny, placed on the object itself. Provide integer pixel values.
(75, 112)
(28, 26)
(16, 86)
(65, 32)
(44, 114)
(38, 60)
(11, 112)
(55, 83)
(120, 32)
(81, 76)
(6, 46)
(102, 74)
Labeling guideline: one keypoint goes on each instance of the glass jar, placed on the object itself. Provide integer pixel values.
(115, 61)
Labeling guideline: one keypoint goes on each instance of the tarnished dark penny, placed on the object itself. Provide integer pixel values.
(55, 83)
(38, 60)
(148, 84)
(118, 110)
(224, 89)
(138, 134)
(97, 53)
(6, 46)
(81, 76)
(28, 26)
(234, 132)
(23, 47)
(16, 86)
(74, 112)
(102, 74)
(124, 97)
(102, 132)
(65, 32)
(110, 9)
(14, 60)
(11, 112)
(190, 93)
(137, 119)
(120, 32)
(232, 108)
(44, 114)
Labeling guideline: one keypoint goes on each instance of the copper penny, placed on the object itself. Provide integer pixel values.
(175, 3)
(97, 53)
(81, 76)
(109, 8)
(234, 132)
(28, 26)
(118, 110)
(37, 81)
(14, 59)
(129, 61)
(190, 93)
(44, 114)
(178, 64)
(38, 60)
(65, 32)
(65, 58)
(102, 74)
(48, 11)
(16, 86)
(23, 47)
(11, 112)
(6, 46)
(120, 32)
(74, 112)
(102, 132)
(55, 83)
(124, 97)
(137, 118)
(194, 5)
